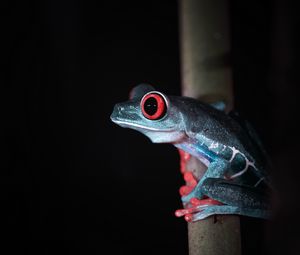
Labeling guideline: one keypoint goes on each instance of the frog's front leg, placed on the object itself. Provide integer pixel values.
(216, 169)
(236, 199)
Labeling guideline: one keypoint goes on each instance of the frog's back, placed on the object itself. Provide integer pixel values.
(226, 135)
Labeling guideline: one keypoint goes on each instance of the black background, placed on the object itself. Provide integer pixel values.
(72, 182)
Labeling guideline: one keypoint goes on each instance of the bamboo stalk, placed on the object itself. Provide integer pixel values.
(206, 75)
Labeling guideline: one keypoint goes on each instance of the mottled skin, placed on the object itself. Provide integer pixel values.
(228, 146)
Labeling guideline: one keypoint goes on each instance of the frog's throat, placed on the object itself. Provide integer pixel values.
(139, 126)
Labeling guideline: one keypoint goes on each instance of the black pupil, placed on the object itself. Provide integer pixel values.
(150, 106)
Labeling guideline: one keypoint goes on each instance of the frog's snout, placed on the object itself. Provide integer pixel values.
(117, 112)
(124, 112)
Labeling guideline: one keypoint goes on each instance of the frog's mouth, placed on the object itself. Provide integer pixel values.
(137, 126)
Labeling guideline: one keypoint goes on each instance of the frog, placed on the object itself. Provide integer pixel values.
(236, 180)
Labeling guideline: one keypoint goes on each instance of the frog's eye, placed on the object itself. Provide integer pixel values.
(153, 106)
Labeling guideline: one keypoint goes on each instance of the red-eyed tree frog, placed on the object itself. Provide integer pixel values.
(236, 180)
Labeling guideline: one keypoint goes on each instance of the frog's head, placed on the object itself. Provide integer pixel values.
(151, 113)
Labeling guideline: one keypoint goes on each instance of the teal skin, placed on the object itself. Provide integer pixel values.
(236, 164)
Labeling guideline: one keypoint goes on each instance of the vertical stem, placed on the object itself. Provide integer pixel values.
(206, 75)
(205, 46)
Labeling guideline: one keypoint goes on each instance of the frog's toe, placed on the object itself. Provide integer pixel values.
(212, 210)
(197, 206)
(227, 209)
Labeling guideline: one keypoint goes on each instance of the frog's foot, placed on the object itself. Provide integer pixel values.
(226, 209)
(196, 205)
(191, 183)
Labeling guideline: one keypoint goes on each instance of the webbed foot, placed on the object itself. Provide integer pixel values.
(227, 209)
(196, 205)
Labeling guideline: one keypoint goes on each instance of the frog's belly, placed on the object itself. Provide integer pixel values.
(204, 156)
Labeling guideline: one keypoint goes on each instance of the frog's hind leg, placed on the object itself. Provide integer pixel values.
(235, 194)
(237, 199)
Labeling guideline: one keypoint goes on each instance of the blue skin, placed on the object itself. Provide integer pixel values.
(229, 147)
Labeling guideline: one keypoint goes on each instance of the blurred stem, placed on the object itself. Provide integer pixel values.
(206, 75)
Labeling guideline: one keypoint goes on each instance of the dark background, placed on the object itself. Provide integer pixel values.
(71, 181)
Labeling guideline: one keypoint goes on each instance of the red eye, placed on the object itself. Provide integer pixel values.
(153, 106)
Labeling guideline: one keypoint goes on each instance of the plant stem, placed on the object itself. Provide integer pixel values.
(206, 75)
